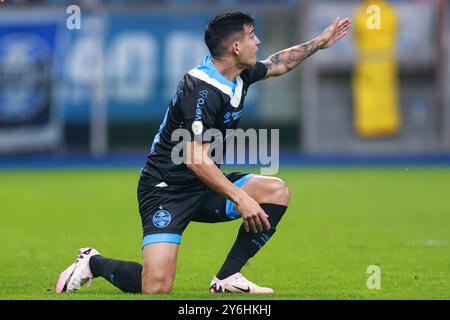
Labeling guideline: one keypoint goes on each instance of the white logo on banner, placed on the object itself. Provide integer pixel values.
(374, 20)
(74, 20)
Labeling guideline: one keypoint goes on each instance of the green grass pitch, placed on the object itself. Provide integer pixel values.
(340, 221)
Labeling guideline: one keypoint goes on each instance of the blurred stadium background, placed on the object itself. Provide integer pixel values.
(102, 90)
(96, 96)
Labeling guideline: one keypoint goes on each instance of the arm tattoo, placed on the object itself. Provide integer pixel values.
(274, 60)
(290, 58)
(298, 54)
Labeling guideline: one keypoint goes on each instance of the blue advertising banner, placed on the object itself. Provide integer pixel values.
(138, 59)
(26, 56)
(28, 119)
(149, 54)
(80, 69)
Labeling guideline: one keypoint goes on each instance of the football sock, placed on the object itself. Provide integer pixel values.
(247, 244)
(125, 275)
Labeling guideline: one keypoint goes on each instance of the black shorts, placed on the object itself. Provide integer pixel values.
(166, 211)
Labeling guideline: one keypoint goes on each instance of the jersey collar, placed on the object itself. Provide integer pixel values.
(210, 69)
(208, 72)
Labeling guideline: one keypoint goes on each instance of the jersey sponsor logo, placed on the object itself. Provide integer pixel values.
(197, 127)
(200, 102)
(232, 116)
(161, 218)
(227, 117)
(203, 94)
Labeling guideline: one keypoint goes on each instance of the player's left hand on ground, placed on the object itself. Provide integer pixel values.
(334, 32)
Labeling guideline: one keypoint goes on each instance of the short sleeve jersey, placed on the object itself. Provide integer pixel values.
(204, 100)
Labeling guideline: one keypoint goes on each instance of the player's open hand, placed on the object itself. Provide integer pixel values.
(334, 32)
(253, 216)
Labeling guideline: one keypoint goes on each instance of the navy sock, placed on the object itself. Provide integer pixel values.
(125, 275)
(248, 244)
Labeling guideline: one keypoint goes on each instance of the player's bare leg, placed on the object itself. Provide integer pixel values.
(159, 267)
(267, 190)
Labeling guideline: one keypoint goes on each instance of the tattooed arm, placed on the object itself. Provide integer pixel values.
(286, 60)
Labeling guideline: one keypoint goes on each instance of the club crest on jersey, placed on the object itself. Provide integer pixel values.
(161, 218)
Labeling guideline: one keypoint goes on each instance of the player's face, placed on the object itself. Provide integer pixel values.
(248, 46)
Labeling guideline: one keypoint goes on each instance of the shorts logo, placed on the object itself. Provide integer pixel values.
(161, 218)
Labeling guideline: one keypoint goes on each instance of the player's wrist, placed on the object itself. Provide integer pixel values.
(239, 197)
(320, 41)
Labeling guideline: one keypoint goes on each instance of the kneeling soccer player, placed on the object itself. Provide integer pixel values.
(210, 96)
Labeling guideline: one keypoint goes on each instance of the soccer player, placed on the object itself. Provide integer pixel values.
(171, 195)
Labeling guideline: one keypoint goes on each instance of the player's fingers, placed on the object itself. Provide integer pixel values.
(344, 22)
(265, 221)
(341, 32)
(347, 25)
(342, 35)
(333, 26)
(246, 225)
(264, 218)
(251, 222)
(336, 22)
(344, 27)
(258, 224)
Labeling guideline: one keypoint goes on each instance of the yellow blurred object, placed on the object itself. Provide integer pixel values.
(375, 78)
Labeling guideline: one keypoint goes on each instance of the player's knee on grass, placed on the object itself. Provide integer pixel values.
(159, 267)
(158, 283)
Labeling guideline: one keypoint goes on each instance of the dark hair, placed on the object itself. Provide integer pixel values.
(222, 27)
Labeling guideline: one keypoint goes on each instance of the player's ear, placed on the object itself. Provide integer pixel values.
(235, 47)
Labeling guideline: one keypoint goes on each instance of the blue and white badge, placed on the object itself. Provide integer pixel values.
(25, 70)
(161, 218)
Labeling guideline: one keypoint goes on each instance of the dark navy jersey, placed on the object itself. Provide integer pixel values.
(204, 100)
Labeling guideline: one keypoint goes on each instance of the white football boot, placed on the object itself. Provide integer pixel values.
(78, 273)
(237, 283)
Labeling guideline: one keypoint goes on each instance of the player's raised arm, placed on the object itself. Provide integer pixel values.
(286, 60)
